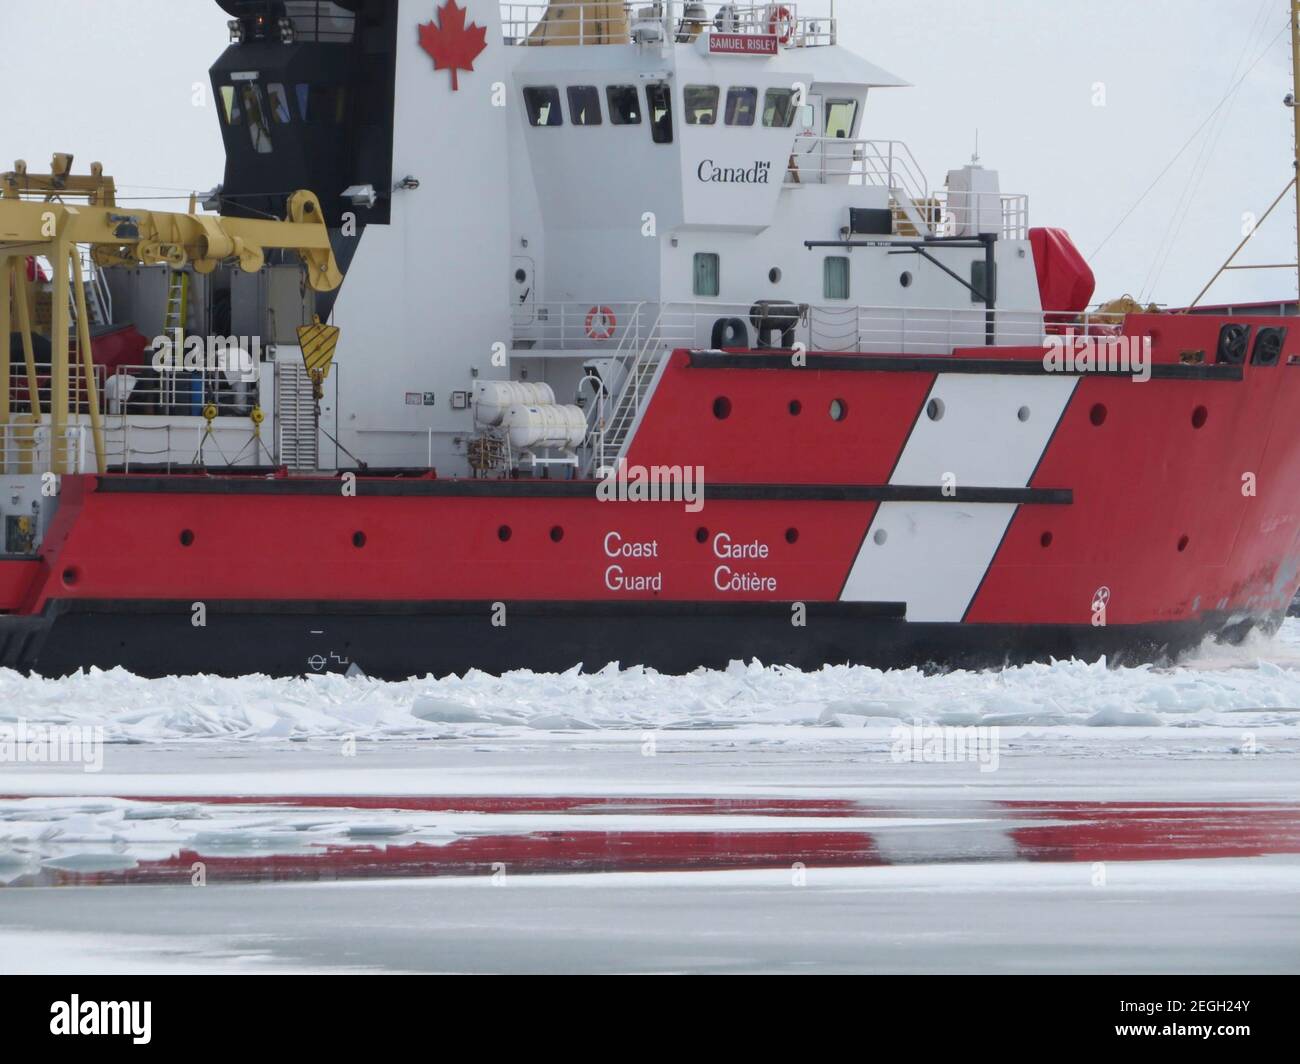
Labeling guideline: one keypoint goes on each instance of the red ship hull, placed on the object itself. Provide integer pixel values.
(1149, 516)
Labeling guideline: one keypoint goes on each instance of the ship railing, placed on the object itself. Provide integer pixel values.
(178, 417)
(601, 326)
(632, 371)
(679, 21)
(20, 392)
(887, 164)
(940, 331)
(30, 449)
(825, 326)
(968, 213)
(131, 442)
(145, 390)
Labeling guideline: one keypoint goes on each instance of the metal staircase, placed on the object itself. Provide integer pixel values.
(615, 421)
(914, 218)
(99, 301)
(891, 165)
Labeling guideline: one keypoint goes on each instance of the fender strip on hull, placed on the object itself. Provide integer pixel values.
(580, 489)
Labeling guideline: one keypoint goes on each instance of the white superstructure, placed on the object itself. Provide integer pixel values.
(560, 194)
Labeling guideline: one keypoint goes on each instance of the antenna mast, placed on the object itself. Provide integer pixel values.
(1295, 112)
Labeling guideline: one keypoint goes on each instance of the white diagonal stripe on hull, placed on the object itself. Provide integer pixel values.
(935, 555)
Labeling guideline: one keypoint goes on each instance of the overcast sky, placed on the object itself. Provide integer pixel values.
(1027, 75)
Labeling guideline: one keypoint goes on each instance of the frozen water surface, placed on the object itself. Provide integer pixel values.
(757, 819)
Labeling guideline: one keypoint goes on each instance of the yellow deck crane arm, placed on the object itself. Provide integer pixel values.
(39, 218)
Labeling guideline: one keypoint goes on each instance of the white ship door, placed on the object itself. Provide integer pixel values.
(809, 149)
(523, 284)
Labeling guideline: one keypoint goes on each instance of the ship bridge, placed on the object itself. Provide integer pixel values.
(646, 122)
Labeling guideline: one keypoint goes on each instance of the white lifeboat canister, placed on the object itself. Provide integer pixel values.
(531, 427)
(494, 398)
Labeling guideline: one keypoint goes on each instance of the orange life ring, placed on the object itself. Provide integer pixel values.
(601, 323)
(782, 18)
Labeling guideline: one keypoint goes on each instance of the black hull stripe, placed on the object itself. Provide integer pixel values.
(1009, 367)
(574, 489)
(394, 641)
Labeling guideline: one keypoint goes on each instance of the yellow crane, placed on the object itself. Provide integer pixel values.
(53, 215)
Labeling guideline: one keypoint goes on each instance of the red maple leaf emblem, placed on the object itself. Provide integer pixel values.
(453, 45)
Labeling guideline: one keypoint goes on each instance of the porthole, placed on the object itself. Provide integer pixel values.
(701, 535)
(71, 577)
(796, 408)
(722, 408)
(792, 536)
(906, 279)
(935, 409)
(839, 409)
(504, 533)
(358, 540)
(1097, 415)
(774, 275)
(1199, 417)
(1182, 544)
(187, 538)
(557, 534)
(1023, 413)
(1046, 540)
(880, 537)
(520, 276)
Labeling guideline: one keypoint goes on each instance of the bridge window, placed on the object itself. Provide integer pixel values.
(259, 126)
(779, 108)
(840, 117)
(322, 104)
(742, 106)
(659, 97)
(701, 103)
(836, 277)
(584, 105)
(543, 104)
(624, 105)
(279, 104)
(708, 275)
(230, 103)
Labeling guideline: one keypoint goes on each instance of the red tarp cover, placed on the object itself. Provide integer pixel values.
(1065, 280)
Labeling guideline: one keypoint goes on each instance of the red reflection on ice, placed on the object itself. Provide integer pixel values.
(531, 854)
(1033, 831)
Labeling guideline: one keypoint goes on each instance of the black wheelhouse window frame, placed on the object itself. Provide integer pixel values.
(701, 104)
(780, 108)
(659, 106)
(584, 105)
(845, 132)
(542, 103)
(624, 105)
(742, 105)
